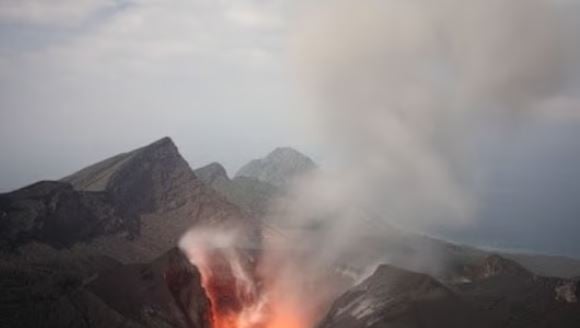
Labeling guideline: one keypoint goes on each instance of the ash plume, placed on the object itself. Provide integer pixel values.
(401, 89)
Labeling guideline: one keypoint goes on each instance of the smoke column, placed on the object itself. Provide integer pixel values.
(400, 88)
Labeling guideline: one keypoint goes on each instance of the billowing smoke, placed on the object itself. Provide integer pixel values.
(403, 89)
(400, 89)
(404, 86)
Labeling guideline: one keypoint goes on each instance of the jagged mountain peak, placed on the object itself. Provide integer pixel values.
(279, 168)
(210, 173)
(286, 152)
(150, 178)
(101, 175)
(130, 206)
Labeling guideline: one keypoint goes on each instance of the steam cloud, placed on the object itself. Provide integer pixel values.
(404, 86)
(401, 89)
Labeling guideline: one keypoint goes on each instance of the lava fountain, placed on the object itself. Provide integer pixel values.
(250, 289)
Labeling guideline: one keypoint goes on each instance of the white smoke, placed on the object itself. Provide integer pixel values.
(402, 87)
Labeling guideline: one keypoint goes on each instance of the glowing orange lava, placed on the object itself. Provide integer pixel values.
(238, 299)
(243, 295)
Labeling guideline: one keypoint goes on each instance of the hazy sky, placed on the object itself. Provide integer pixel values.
(81, 80)
(84, 79)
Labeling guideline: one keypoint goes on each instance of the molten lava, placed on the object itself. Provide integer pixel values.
(247, 290)
(230, 288)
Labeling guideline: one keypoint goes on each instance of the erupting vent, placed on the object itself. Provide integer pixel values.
(233, 291)
(242, 294)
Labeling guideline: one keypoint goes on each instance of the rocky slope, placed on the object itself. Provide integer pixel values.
(132, 207)
(86, 251)
(515, 297)
(54, 213)
(96, 249)
(164, 293)
(148, 179)
(278, 168)
(500, 293)
(392, 297)
(75, 291)
(250, 194)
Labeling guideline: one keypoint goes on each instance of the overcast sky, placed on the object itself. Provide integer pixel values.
(81, 80)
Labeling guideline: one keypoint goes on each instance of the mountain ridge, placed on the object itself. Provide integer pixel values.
(279, 167)
(144, 199)
(501, 294)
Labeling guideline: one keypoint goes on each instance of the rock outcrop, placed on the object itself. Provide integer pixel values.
(166, 292)
(154, 178)
(56, 214)
(250, 194)
(515, 297)
(89, 292)
(86, 251)
(500, 293)
(132, 207)
(53, 293)
(392, 297)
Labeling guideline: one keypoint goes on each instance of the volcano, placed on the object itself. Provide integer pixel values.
(98, 249)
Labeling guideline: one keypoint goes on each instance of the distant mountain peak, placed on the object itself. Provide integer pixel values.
(163, 141)
(286, 152)
(99, 176)
(130, 206)
(142, 179)
(210, 173)
(279, 168)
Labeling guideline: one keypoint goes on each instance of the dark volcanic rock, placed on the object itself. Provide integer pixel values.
(393, 297)
(518, 298)
(53, 294)
(152, 178)
(501, 294)
(132, 207)
(100, 292)
(166, 292)
(54, 213)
